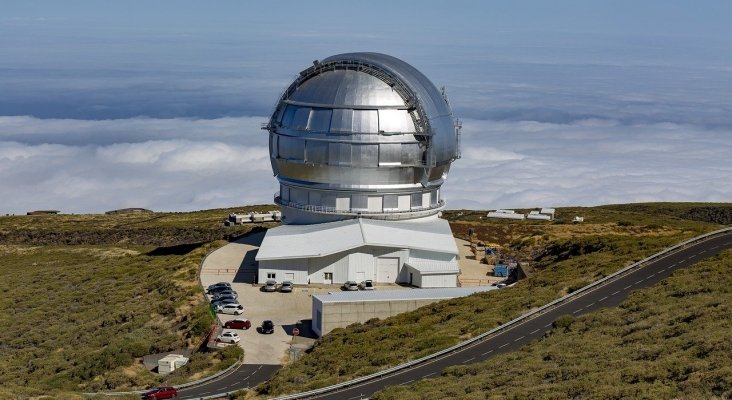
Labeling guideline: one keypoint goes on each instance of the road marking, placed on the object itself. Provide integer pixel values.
(407, 382)
(627, 287)
(487, 352)
(533, 332)
(651, 275)
(662, 269)
(547, 325)
(715, 247)
(469, 360)
(503, 345)
(517, 339)
(603, 299)
(589, 305)
(614, 293)
(639, 281)
(430, 374)
(576, 311)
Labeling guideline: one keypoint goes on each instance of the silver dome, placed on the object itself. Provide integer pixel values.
(361, 134)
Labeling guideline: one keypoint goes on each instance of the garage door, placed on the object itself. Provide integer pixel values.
(387, 269)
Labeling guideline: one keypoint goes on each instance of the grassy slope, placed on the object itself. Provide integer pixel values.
(668, 341)
(158, 229)
(565, 257)
(78, 317)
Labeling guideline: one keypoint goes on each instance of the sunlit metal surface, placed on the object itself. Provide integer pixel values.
(361, 134)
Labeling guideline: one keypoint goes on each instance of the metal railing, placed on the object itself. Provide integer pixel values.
(354, 212)
(512, 323)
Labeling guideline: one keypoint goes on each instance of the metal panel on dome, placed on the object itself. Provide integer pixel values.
(365, 121)
(319, 119)
(392, 121)
(342, 121)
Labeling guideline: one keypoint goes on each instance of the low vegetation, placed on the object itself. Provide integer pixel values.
(668, 341)
(85, 297)
(564, 257)
(156, 229)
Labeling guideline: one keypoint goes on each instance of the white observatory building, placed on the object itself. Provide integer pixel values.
(361, 144)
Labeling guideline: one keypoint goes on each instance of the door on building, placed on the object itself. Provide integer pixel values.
(290, 276)
(387, 269)
(360, 276)
(328, 278)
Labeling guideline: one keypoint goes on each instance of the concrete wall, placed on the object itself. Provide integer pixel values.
(342, 314)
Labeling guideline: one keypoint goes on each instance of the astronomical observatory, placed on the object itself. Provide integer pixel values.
(361, 144)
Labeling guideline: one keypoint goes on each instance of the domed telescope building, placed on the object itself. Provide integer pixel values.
(361, 144)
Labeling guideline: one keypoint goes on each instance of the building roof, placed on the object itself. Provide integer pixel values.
(395, 295)
(318, 240)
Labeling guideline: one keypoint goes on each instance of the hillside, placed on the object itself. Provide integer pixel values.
(562, 257)
(667, 341)
(86, 296)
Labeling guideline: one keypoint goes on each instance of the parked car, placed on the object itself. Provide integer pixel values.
(218, 287)
(224, 297)
(236, 309)
(238, 323)
(224, 300)
(166, 392)
(350, 285)
(368, 284)
(270, 285)
(267, 327)
(226, 293)
(286, 287)
(228, 337)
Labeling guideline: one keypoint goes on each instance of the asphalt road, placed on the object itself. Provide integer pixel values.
(247, 375)
(609, 295)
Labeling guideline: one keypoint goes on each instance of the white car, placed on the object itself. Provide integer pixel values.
(228, 337)
(236, 309)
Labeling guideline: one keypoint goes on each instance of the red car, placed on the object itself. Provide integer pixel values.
(166, 392)
(238, 324)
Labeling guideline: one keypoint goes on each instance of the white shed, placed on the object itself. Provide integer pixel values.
(170, 362)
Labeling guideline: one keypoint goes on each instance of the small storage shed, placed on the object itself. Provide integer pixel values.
(170, 362)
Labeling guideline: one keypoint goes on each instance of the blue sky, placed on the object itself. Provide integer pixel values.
(157, 104)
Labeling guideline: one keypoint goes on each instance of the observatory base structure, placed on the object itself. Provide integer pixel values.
(421, 253)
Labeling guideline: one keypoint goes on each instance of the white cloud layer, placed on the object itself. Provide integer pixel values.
(188, 164)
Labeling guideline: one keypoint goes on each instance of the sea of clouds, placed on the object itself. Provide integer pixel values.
(93, 121)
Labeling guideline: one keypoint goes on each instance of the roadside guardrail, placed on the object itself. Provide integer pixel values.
(511, 323)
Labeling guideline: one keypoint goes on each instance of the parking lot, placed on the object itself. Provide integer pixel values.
(234, 263)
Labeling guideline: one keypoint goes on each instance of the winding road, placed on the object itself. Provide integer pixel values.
(610, 294)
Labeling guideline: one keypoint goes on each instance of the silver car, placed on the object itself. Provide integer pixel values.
(368, 284)
(286, 287)
(350, 285)
(270, 285)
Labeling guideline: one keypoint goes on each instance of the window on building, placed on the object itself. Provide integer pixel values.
(390, 202)
(271, 275)
(416, 200)
(359, 202)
